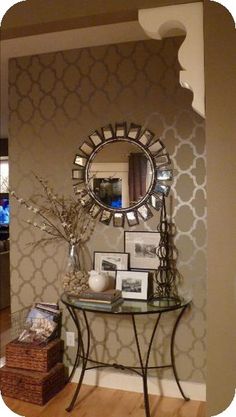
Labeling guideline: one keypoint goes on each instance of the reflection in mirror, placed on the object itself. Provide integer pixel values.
(77, 174)
(132, 218)
(95, 138)
(86, 148)
(162, 189)
(78, 187)
(164, 174)
(145, 212)
(156, 147)
(94, 210)
(118, 219)
(155, 201)
(106, 217)
(85, 200)
(120, 174)
(120, 130)
(146, 137)
(107, 132)
(134, 131)
(108, 191)
(162, 160)
(79, 160)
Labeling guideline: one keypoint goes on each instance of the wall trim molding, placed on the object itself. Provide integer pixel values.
(110, 378)
(185, 19)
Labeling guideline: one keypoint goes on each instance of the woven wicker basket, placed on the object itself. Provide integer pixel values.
(34, 357)
(34, 387)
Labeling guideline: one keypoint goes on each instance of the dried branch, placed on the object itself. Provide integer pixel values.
(60, 217)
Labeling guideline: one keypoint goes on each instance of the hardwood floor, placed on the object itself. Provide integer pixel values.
(103, 402)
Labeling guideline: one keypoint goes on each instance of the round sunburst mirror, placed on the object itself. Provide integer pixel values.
(120, 173)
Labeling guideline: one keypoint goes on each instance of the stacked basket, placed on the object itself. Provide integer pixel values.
(33, 373)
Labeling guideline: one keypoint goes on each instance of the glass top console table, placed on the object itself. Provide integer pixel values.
(132, 309)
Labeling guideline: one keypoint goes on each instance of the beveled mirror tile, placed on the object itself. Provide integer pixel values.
(86, 148)
(121, 130)
(107, 132)
(134, 131)
(80, 160)
(78, 188)
(164, 174)
(86, 200)
(155, 201)
(132, 218)
(162, 189)
(78, 174)
(96, 138)
(106, 217)
(145, 212)
(146, 137)
(118, 219)
(94, 210)
(162, 160)
(156, 147)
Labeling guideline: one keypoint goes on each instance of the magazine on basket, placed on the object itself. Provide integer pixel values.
(41, 323)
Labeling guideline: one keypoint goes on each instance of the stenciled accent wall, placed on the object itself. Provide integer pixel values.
(55, 101)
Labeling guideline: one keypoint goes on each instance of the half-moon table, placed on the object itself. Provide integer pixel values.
(131, 309)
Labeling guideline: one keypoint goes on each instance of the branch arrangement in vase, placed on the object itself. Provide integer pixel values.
(60, 217)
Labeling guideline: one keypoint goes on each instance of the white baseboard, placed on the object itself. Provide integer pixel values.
(111, 378)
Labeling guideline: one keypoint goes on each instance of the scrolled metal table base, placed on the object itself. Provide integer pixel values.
(142, 370)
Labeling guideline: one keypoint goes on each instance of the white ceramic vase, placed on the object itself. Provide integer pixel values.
(98, 281)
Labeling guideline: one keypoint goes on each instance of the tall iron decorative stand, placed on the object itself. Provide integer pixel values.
(165, 278)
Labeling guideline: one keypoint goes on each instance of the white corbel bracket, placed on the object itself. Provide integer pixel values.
(185, 19)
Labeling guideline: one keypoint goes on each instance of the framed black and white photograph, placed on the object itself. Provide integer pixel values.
(133, 284)
(110, 262)
(142, 247)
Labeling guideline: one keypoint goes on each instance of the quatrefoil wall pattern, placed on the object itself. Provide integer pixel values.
(56, 100)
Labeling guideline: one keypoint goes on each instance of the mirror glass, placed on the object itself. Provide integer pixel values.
(120, 174)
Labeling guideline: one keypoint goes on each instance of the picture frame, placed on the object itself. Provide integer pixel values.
(133, 284)
(142, 247)
(110, 262)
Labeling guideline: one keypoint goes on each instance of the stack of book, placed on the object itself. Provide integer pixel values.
(106, 300)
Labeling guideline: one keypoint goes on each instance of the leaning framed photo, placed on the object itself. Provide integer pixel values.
(142, 247)
(110, 262)
(133, 284)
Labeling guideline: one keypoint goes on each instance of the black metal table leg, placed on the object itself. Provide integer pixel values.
(172, 352)
(85, 355)
(79, 337)
(144, 368)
